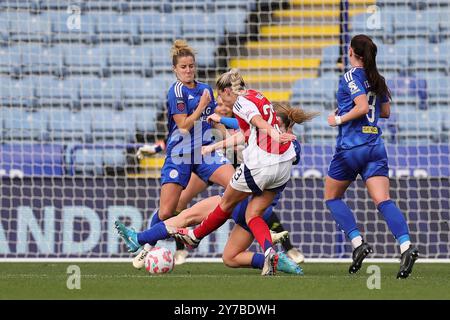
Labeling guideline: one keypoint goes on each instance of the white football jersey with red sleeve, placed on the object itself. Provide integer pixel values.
(261, 149)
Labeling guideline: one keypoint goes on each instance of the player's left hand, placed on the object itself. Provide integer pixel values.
(332, 120)
(214, 118)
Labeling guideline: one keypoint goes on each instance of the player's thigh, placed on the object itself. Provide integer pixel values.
(238, 242)
(231, 198)
(222, 175)
(335, 189)
(258, 205)
(195, 214)
(343, 166)
(170, 193)
(378, 188)
(194, 187)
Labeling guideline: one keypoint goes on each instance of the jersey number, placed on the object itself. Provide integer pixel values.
(268, 110)
(372, 97)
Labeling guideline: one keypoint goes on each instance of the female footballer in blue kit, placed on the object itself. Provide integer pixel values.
(186, 172)
(363, 98)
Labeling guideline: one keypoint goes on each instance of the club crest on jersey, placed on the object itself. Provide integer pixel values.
(353, 87)
(180, 105)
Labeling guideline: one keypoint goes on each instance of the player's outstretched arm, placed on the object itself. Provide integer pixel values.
(234, 140)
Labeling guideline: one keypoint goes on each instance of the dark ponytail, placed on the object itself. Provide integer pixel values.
(366, 50)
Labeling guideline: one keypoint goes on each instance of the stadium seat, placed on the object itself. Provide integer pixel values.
(111, 126)
(161, 58)
(233, 20)
(417, 24)
(438, 90)
(392, 58)
(205, 53)
(317, 130)
(185, 5)
(156, 26)
(4, 29)
(17, 93)
(408, 90)
(24, 124)
(41, 60)
(117, 28)
(198, 25)
(330, 56)
(145, 118)
(144, 91)
(114, 159)
(86, 60)
(25, 27)
(125, 59)
(52, 92)
(367, 23)
(428, 58)
(416, 127)
(68, 31)
(314, 91)
(87, 161)
(100, 92)
(11, 61)
(68, 126)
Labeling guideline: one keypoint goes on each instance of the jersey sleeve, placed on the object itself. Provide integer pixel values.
(354, 86)
(245, 109)
(176, 100)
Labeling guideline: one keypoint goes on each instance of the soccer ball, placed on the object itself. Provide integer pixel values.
(159, 260)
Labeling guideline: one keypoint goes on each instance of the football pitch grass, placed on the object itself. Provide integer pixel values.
(210, 281)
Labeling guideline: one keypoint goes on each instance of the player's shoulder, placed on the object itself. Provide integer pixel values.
(176, 89)
(243, 102)
(355, 73)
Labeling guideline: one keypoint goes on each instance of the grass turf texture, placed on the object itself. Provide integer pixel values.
(205, 281)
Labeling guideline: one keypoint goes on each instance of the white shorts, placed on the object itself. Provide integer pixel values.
(272, 178)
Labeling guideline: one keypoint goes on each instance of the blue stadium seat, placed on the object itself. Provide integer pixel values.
(428, 58)
(125, 59)
(149, 5)
(145, 118)
(29, 28)
(242, 4)
(66, 125)
(205, 53)
(52, 92)
(114, 158)
(314, 91)
(392, 58)
(368, 23)
(198, 25)
(318, 130)
(24, 124)
(161, 58)
(10, 60)
(185, 5)
(111, 126)
(416, 127)
(438, 90)
(117, 27)
(408, 90)
(87, 161)
(19, 4)
(4, 29)
(100, 92)
(143, 91)
(84, 60)
(416, 24)
(329, 58)
(158, 26)
(66, 30)
(41, 60)
(17, 93)
(59, 5)
(233, 20)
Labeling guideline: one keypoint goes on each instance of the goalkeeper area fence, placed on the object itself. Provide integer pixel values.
(83, 85)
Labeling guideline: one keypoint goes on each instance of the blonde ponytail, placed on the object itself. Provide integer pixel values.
(291, 116)
(231, 79)
(180, 48)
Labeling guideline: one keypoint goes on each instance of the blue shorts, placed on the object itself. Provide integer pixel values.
(366, 160)
(239, 214)
(180, 173)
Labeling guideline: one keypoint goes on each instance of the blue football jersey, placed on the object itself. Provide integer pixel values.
(363, 130)
(183, 100)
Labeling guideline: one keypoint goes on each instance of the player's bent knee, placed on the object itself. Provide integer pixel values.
(229, 261)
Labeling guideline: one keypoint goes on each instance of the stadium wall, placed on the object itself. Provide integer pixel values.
(59, 217)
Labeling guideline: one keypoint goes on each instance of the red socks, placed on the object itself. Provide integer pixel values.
(261, 232)
(212, 222)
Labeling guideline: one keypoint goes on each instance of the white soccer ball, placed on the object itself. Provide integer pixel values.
(159, 260)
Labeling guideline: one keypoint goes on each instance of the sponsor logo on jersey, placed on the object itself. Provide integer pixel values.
(353, 87)
(370, 130)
